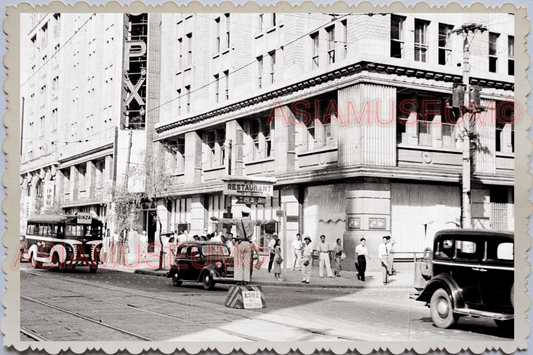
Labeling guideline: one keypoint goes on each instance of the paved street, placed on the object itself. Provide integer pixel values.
(114, 305)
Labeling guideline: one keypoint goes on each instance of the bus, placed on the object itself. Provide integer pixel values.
(64, 240)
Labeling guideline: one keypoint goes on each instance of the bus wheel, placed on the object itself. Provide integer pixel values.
(34, 263)
(93, 266)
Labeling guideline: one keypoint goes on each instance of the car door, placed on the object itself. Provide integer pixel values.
(466, 267)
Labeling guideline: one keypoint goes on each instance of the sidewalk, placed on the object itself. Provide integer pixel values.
(404, 277)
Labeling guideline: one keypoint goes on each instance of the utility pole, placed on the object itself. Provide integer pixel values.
(465, 30)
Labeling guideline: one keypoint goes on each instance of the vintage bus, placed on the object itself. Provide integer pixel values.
(65, 240)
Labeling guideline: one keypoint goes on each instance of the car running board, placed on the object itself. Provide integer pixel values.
(475, 313)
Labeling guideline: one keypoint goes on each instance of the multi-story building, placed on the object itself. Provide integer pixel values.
(353, 115)
(84, 82)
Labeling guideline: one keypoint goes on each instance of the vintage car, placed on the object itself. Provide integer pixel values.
(201, 261)
(470, 273)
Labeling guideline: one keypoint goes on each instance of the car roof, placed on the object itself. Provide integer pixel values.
(475, 233)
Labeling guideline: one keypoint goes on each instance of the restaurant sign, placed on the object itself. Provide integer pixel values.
(247, 186)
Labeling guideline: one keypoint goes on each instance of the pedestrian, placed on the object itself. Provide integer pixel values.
(383, 253)
(271, 245)
(337, 254)
(144, 243)
(242, 256)
(306, 260)
(277, 260)
(390, 244)
(229, 241)
(297, 247)
(361, 254)
(323, 250)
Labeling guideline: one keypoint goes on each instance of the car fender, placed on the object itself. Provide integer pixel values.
(446, 282)
(33, 249)
(173, 271)
(61, 251)
(210, 269)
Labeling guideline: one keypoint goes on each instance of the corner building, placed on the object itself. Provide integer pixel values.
(351, 113)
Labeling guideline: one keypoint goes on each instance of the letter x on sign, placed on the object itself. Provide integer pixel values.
(134, 91)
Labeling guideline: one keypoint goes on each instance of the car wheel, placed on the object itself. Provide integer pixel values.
(441, 309)
(207, 280)
(34, 263)
(93, 266)
(175, 281)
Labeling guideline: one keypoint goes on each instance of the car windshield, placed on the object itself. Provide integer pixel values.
(215, 249)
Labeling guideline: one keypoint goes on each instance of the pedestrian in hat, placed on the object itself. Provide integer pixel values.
(306, 260)
(243, 249)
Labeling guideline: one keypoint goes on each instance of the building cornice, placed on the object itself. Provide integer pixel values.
(67, 161)
(327, 77)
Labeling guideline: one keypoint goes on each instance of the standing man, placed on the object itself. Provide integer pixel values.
(390, 244)
(306, 260)
(297, 246)
(362, 254)
(323, 250)
(245, 231)
(383, 253)
(271, 250)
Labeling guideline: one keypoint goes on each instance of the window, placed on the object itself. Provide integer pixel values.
(493, 52)
(315, 128)
(330, 34)
(180, 155)
(315, 49)
(344, 24)
(273, 20)
(215, 140)
(259, 138)
(272, 56)
(260, 22)
(510, 55)
(217, 35)
(397, 37)
(445, 52)
(260, 71)
(226, 85)
(54, 120)
(217, 87)
(188, 98)
(33, 46)
(179, 101)
(57, 24)
(179, 57)
(227, 40)
(188, 55)
(420, 40)
(44, 35)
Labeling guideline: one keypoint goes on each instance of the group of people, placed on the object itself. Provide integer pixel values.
(385, 254)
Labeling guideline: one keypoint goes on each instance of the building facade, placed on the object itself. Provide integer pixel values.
(354, 115)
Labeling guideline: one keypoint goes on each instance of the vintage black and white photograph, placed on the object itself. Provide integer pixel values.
(236, 177)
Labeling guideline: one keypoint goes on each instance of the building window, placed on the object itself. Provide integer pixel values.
(179, 59)
(227, 40)
(259, 138)
(315, 49)
(344, 24)
(260, 22)
(510, 55)
(226, 85)
(179, 101)
(260, 71)
(272, 56)
(188, 55)
(188, 98)
(44, 35)
(57, 24)
(493, 52)
(315, 129)
(445, 52)
(273, 20)
(420, 40)
(505, 127)
(330, 34)
(215, 140)
(217, 88)
(397, 37)
(217, 35)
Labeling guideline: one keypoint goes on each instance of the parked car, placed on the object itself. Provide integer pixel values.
(470, 273)
(201, 261)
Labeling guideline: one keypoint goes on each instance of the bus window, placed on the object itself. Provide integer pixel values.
(54, 232)
(31, 229)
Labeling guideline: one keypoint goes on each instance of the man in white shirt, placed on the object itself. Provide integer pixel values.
(297, 246)
(323, 254)
(307, 260)
(383, 254)
(362, 254)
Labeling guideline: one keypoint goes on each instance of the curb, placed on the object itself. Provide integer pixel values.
(286, 284)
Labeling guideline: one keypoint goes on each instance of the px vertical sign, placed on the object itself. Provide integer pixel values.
(135, 70)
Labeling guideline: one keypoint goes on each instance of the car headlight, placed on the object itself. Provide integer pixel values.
(218, 265)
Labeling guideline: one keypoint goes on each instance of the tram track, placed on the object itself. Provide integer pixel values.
(203, 306)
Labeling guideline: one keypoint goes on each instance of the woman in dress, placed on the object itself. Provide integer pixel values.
(337, 254)
(277, 265)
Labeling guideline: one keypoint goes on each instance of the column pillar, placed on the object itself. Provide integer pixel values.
(193, 158)
(73, 186)
(289, 223)
(90, 179)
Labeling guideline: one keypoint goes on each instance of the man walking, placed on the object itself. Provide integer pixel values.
(245, 231)
(383, 253)
(297, 246)
(362, 253)
(323, 251)
(306, 260)
(271, 250)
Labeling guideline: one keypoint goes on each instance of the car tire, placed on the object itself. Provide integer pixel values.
(93, 267)
(34, 263)
(441, 309)
(175, 280)
(208, 281)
